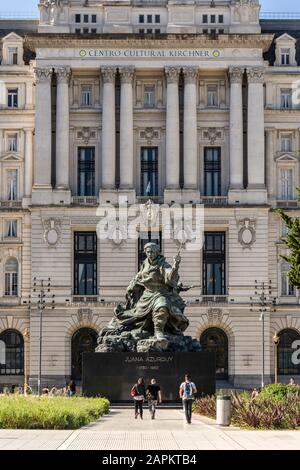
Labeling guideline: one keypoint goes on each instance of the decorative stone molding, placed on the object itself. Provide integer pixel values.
(85, 315)
(52, 231)
(246, 11)
(86, 134)
(247, 232)
(172, 74)
(190, 74)
(214, 315)
(43, 74)
(236, 74)
(63, 74)
(212, 134)
(149, 134)
(127, 74)
(108, 74)
(255, 74)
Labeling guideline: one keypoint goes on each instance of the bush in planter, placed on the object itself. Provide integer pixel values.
(206, 406)
(278, 391)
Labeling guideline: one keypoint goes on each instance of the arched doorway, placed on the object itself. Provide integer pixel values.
(12, 353)
(83, 340)
(285, 352)
(215, 340)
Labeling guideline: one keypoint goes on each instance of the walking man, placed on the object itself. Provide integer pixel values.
(153, 393)
(187, 391)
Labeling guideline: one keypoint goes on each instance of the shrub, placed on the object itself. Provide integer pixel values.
(278, 391)
(19, 412)
(206, 406)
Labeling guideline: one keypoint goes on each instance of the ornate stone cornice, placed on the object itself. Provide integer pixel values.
(63, 74)
(127, 74)
(43, 74)
(256, 74)
(236, 74)
(172, 74)
(108, 74)
(190, 74)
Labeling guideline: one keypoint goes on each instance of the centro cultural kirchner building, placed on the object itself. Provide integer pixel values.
(186, 102)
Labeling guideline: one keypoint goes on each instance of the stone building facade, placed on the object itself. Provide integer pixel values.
(169, 101)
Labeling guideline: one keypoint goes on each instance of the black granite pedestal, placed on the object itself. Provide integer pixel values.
(113, 374)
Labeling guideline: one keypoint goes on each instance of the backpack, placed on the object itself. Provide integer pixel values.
(188, 390)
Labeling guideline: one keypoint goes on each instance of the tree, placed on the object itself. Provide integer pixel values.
(292, 241)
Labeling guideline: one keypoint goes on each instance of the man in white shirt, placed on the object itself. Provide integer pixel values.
(187, 391)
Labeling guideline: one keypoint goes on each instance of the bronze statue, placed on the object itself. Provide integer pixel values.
(154, 311)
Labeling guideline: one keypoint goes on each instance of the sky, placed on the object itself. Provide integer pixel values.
(267, 5)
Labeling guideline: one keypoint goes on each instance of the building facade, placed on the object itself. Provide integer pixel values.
(174, 102)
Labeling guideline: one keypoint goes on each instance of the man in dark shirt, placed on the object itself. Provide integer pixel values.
(153, 393)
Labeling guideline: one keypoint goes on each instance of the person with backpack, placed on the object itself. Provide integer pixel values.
(154, 397)
(187, 391)
(138, 393)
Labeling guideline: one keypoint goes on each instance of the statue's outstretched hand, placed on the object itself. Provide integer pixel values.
(177, 260)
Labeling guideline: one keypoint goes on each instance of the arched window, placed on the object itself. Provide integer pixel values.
(11, 277)
(83, 340)
(13, 354)
(285, 352)
(215, 340)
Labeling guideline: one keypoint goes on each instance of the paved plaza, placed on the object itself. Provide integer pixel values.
(120, 431)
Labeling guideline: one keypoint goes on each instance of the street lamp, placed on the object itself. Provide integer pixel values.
(265, 302)
(276, 341)
(26, 336)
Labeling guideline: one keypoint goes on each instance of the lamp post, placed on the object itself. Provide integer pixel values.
(43, 288)
(276, 341)
(26, 336)
(264, 302)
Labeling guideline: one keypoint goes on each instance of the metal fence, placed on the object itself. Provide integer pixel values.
(279, 15)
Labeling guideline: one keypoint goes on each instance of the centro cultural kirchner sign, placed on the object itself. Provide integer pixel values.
(146, 53)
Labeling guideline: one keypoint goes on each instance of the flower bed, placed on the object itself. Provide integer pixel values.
(32, 412)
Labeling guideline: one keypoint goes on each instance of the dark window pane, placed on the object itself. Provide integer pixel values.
(84, 340)
(285, 352)
(214, 279)
(94, 18)
(13, 352)
(149, 171)
(157, 18)
(77, 18)
(205, 19)
(212, 171)
(215, 340)
(85, 263)
(141, 18)
(86, 171)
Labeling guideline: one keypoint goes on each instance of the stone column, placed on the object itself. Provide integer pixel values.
(190, 128)
(43, 129)
(126, 128)
(172, 128)
(28, 157)
(236, 128)
(270, 162)
(62, 128)
(108, 129)
(256, 131)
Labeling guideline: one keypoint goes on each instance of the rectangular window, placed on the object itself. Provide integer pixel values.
(94, 18)
(85, 30)
(157, 19)
(11, 284)
(286, 143)
(77, 30)
(86, 95)
(141, 31)
(149, 171)
(286, 181)
(205, 31)
(12, 142)
(214, 280)
(212, 18)
(12, 185)
(149, 18)
(141, 19)
(147, 237)
(149, 31)
(11, 228)
(85, 18)
(221, 31)
(285, 56)
(205, 19)
(85, 263)
(212, 95)
(157, 31)
(12, 98)
(221, 18)
(286, 98)
(86, 171)
(149, 96)
(212, 171)
(287, 289)
(13, 56)
(77, 18)
(93, 30)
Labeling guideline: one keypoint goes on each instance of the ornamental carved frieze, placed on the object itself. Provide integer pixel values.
(52, 231)
(85, 315)
(172, 74)
(255, 74)
(214, 315)
(236, 74)
(127, 74)
(43, 74)
(212, 134)
(247, 232)
(149, 134)
(190, 74)
(246, 11)
(63, 74)
(86, 134)
(108, 74)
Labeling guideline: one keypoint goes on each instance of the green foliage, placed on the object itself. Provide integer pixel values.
(278, 391)
(292, 241)
(206, 406)
(32, 412)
